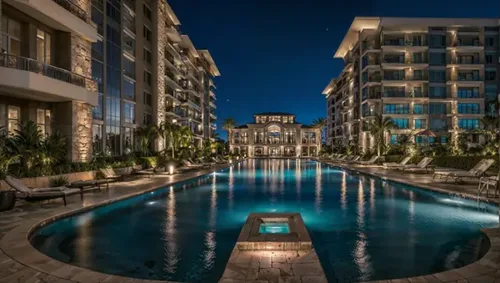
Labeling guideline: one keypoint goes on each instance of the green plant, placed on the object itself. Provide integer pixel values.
(145, 137)
(58, 181)
(228, 124)
(378, 128)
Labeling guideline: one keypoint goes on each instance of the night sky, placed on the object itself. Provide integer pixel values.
(277, 55)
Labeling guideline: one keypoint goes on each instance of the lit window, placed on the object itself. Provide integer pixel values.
(42, 46)
(13, 117)
(43, 121)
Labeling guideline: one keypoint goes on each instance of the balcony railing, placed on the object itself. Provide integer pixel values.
(34, 66)
(74, 9)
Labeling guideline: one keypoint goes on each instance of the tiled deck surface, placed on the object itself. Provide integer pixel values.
(20, 262)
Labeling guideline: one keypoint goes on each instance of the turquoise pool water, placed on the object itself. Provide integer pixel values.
(363, 228)
(274, 228)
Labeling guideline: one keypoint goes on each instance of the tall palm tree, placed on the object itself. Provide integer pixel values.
(165, 130)
(378, 128)
(228, 125)
(320, 123)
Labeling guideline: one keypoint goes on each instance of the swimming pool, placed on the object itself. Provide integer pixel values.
(362, 228)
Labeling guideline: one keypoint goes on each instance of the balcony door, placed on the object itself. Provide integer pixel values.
(11, 36)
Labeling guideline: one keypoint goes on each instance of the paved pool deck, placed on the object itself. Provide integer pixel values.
(20, 262)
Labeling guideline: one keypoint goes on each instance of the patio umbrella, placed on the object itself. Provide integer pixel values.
(427, 133)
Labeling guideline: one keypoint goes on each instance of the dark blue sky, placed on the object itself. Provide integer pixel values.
(277, 55)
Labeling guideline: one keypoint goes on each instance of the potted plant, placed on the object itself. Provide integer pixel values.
(7, 199)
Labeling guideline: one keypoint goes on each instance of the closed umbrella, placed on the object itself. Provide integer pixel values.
(426, 133)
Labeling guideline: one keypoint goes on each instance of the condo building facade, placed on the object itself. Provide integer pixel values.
(147, 72)
(275, 134)
(45, 69)
(96, 70)
(425, 73)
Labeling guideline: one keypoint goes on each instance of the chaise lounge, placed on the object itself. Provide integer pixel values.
(393, 165)
(458, 175)
(39, 194)
(422, 167)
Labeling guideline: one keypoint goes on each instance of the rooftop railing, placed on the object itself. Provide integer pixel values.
(34, 66)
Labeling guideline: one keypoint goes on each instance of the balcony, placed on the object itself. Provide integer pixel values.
(190, 103)
(38, 81)
(212, 105)
(176, 111)
(373, 95)
(64, 15)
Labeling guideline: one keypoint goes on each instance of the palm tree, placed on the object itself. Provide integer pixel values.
(228, 125)
(146, 136)
(165, 130)
(378, 127)
(27, 142)
(320, 123)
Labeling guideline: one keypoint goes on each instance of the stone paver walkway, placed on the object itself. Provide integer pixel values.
(273, 267)
(21, 262)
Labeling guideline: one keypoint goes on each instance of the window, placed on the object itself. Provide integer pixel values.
(468, 123)
(490, 75)
(420, 109)
(147, 119)
(437, 76)
(11, 36)
(437, 92)
(468, 108)
(128, 67)
(147, 77)
(148, 98)
(129, 112)
(129, 89)
(437, 41)
(490, 91)
(437, 108)
(98, 50)
(437, 58)
(147, 12)
(418, 75)
(438, 124)
(490, 40)
(394, 92)
(396, 109)
(96, 138)
(43, 121)
(420, 123)
(468, 92)
(128, 44)
(97, 74)
(147, 56)
(394, 139)
(43, 46)
(401, 123)
(128, 140)
(489, 58)
(113, 82)
(418, 57)
(113, 12)
(97, 110)
(13, 116)
(147, 33)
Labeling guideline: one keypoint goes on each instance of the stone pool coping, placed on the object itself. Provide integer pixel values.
(15, 245)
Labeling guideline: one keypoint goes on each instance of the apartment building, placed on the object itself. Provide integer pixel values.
(45, 69)
(275, 134)
(147, 72)
(425, 73)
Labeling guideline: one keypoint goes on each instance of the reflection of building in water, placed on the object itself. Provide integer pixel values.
(275, 134)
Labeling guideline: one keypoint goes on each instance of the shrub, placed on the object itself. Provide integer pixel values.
(58, 181)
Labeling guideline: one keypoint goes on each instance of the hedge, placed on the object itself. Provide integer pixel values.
(456, 162)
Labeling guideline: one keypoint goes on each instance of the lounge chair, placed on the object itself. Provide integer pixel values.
(150, 172)
(38, 194)
(352, 160)
(394, 164)
(458, 175)
(422, 166)
(188, 164)
(368, 162)
(486, 182)
(109, 174)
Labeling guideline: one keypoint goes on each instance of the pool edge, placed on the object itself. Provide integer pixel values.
(16, 245)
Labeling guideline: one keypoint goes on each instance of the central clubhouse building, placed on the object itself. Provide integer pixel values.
(275, 134)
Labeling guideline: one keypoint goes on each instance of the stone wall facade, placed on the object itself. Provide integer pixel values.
(159, 79)
(81, 146)
(81, 59)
